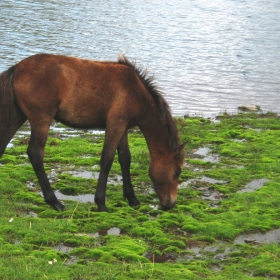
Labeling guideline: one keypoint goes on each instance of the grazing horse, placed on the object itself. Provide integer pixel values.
(87, 94)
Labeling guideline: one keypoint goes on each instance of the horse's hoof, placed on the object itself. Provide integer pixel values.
(59, 206)
(102, 208)
(133, 202)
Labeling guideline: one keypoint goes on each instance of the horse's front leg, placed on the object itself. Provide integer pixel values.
(35, 153)
(125, 160)
(113, 134)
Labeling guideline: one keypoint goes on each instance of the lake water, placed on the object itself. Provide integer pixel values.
(206, 56)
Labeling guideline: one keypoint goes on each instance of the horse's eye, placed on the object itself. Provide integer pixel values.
(177, 172)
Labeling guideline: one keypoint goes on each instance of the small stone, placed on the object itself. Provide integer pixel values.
(249, 108)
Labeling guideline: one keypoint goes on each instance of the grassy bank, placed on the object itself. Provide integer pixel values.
(230, 189)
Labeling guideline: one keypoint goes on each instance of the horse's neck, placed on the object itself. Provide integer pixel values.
(157, 136)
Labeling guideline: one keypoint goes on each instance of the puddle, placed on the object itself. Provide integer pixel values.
(112, 231)
(68, 132)
(203, 179)
(207, 193)
(201, 152)
(71, 260)
(219, 251)
(238, 166)
(10, 145)
(32, 214)
(62, 248)
(197, 251)
(21, 135)
(115, 180)
(269, 237)
(211, 195)
(30, 185)
(205, 155)
(239, 140)
(85, 174)
(57, 131)
(249, 127)
(84, 198)
(215, 120)
(254, 185)
(212, 181)
(216, 267)
(154, 207)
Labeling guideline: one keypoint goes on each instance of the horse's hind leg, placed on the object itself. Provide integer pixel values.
(125, 160)
(35, 151)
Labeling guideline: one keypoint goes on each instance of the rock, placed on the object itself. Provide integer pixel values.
(249, 108)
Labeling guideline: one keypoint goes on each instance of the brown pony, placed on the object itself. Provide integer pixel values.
(86, 94)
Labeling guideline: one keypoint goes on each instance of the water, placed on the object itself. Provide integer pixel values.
(207, 56)
(272, 236)
(254, 185)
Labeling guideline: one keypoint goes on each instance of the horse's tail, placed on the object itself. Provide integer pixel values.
(7, 106)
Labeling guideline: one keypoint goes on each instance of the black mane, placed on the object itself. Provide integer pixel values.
(162, 105)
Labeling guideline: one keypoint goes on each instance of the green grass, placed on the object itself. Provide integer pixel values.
(152, 244)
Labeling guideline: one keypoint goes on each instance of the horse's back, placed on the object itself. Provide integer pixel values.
(77, 92)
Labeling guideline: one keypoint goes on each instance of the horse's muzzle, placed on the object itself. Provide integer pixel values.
(168, 204)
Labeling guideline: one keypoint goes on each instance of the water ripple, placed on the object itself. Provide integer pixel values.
(207, 56)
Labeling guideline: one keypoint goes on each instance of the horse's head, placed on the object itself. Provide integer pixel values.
(165, 172)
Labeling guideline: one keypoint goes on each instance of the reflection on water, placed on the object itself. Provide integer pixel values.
(207, 56)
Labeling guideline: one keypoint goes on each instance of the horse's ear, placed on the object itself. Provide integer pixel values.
(181, 148)
(179, 154)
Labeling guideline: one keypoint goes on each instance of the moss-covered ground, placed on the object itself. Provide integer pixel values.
(229, 186)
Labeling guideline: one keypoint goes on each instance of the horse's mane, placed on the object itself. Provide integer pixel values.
(163, 107)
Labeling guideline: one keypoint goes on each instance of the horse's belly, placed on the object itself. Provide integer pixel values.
(82, 115)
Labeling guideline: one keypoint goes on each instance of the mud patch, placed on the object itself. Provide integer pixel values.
(161, 258)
